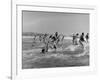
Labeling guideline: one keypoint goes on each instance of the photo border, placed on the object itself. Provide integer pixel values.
(14, 71)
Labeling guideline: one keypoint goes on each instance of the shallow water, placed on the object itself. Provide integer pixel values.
(66, 55)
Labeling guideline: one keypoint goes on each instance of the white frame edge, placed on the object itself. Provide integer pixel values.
(14, 73)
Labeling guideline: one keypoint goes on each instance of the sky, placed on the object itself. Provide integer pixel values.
(51, 22)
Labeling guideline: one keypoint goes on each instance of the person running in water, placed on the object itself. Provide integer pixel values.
(46, 47)
(56, 34)
(87, 37)
(76, 39)
(81, 40)
(73, 40)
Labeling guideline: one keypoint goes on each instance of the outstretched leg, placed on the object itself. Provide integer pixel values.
(81, 43)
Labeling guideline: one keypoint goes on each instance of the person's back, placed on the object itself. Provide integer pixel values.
(56, 34)
(76, 39)
(87, 37)
(73, 38)
(82, 37)
(81, 40)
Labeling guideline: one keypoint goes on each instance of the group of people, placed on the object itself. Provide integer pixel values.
(80, 39)
(52, 40)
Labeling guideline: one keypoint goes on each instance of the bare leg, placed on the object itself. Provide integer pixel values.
(81, 43)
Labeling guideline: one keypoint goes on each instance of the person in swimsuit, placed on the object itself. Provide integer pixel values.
(87, 37)
(81, 40)
(73, 40)
(76, 39)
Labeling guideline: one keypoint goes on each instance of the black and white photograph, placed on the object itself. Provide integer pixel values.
(55, 39)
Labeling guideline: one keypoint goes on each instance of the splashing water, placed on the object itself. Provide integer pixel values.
(75, 47)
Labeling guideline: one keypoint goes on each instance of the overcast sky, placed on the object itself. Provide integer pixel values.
(50, 22)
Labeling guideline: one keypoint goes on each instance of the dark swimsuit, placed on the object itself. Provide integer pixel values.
(82, 38)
